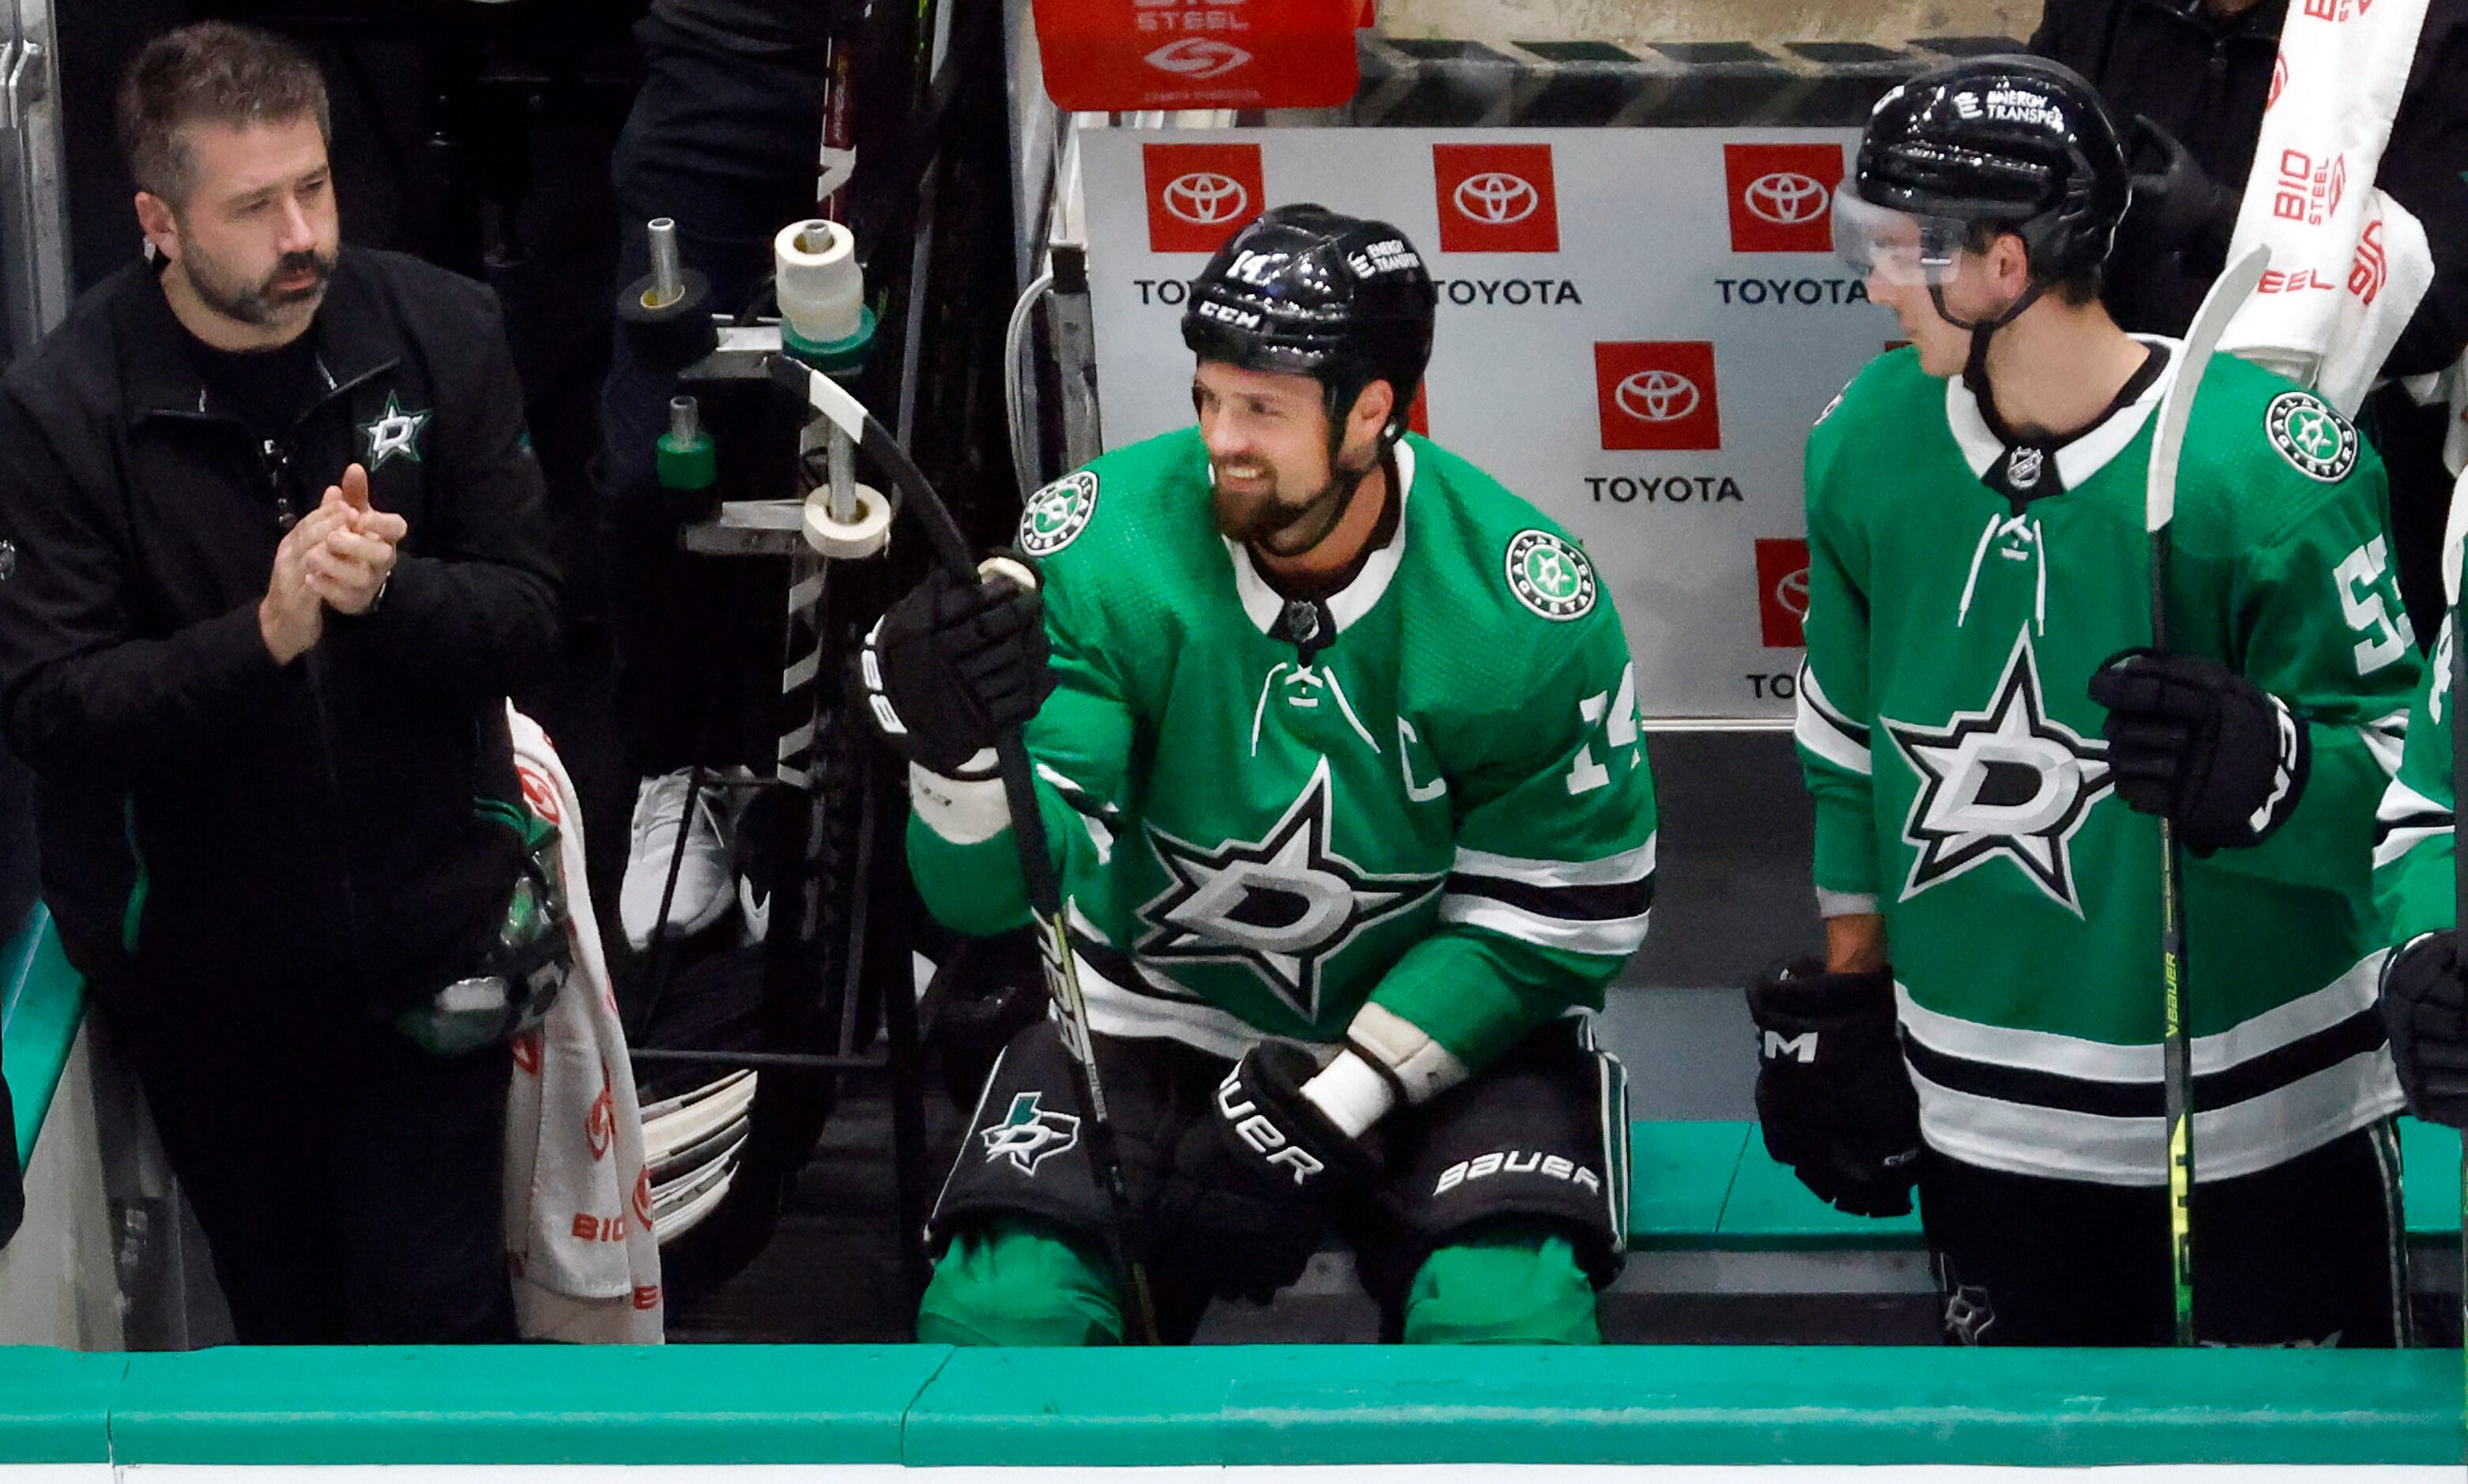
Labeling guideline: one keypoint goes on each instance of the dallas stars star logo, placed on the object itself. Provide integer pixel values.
(2004, 783)
(393, 431)
(1282, 906)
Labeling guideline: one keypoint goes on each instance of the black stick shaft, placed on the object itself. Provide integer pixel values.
(2176, 1046)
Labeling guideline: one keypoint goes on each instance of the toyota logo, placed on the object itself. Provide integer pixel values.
(1497, 198)
(1198, 57)
(1791, 593)
(1657, 396)
(1787, 199)
(1204, 199)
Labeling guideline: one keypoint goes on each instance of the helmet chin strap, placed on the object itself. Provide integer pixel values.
(1345, 483)
(1975, 366)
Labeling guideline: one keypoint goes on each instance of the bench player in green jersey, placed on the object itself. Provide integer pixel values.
(1342, 776)
(2425, 991)
(1986, 733)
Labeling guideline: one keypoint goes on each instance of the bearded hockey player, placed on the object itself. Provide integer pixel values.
(1341, 770)
(1985, 730)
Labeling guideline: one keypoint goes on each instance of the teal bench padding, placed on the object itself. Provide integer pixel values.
(41, 1002)
(1330, 1404)
(1711, 1187)
(521, 1405)
(55, 1405)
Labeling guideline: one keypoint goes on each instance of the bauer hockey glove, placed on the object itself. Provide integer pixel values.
(951, 664)
(2191, 738)
(1833, 1097)
(1257, 1176)
(2425, 1007)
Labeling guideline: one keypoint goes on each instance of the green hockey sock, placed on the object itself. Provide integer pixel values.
(1018, 1282)
(1502, 1286)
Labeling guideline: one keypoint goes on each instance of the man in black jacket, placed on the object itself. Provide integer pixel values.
(272, 553)
(2198, 73)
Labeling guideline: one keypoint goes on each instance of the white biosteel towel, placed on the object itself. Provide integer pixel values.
(2348, 265)
(578, 1242)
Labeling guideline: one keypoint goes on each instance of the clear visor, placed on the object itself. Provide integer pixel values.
(1895, 246)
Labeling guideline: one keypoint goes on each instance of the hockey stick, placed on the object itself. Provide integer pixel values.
(2160, 508)
(1028, 826)
(2454, 537)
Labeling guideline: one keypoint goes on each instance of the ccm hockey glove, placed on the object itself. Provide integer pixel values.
(2191, 738)
(1257, 1176)
(2425, 1006)
(1833, 1097)
(951, 664)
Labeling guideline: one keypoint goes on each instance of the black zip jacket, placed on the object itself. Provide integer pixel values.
(207, 816)
(2203, 78)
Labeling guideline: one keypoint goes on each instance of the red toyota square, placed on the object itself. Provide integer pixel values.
(1782, 592)
(1657, 394)
(1495, 198)
(1782, 196)
(1199, 194)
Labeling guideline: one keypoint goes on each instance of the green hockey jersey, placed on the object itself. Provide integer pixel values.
(2412, 835)
(1426, 792)
(1962, 786)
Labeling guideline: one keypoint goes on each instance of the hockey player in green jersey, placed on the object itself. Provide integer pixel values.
(1985, 732)
(2425, 991)
(1342, 777)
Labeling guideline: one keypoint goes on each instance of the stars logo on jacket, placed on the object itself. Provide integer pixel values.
(1030, 1135)
(393, 431)
(2004, 783)
(1282, 906)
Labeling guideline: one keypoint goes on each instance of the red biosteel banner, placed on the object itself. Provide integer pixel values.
(1114, 56)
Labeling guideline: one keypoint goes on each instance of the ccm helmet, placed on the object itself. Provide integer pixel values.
(1312, 292)
(2020, 143)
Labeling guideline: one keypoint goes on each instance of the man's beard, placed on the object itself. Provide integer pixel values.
(261, 303)
(1281, 528)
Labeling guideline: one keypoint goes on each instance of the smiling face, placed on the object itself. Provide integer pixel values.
(1271, 485)
(256, 238)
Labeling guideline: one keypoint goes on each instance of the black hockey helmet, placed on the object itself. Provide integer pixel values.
(1310, 291)
(2019, 143)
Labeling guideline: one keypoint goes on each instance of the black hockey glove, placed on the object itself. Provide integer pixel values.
(2191, 738)
(2177, 206)
(951, 666)
(1256, 1178)
(2425, 1007)
(1833, 1097)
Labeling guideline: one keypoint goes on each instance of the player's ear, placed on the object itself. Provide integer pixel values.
(1373, 406)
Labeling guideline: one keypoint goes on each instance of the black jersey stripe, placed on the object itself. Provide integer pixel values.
(1569, 903)
(2037, 1088)
(2420, 819)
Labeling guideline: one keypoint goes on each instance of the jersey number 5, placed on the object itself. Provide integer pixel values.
(1620, 730)
(2359, 577)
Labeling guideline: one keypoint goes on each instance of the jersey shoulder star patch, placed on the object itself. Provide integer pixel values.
(2311, 435)
(1551, 575)
(1056, 514)
(391, 432)
(1282, 906)
(2004, 783)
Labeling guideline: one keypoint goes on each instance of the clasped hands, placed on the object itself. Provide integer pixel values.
(338, 557)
